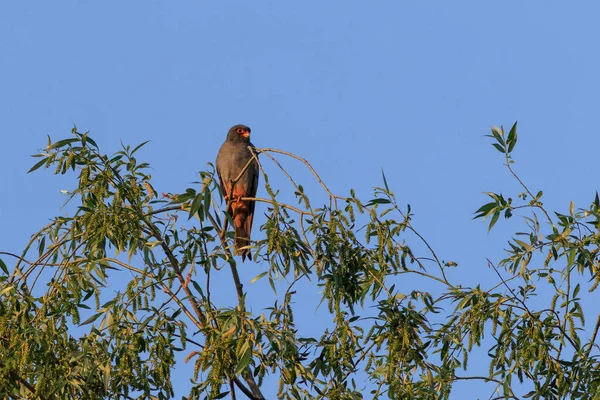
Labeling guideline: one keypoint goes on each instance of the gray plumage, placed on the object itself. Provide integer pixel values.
(232, 158)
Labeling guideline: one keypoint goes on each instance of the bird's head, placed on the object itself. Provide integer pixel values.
(239, 133)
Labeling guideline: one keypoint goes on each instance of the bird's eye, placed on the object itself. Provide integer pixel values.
(239, 130)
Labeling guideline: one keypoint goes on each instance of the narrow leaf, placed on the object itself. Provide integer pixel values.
(494, 220)
(498, 133)
(62, 143)
(139, 146)
(259, 276)
(572, 209)
(524, 245)
(499, 148)
(3, 266)
(42, 246)
(38, 164)
(91, 319)
(576, 290)
(246, 351)
(512, 138)
(196, 204)
(384, 180)
(6, 289)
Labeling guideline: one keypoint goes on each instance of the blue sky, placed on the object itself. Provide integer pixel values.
(410, 87)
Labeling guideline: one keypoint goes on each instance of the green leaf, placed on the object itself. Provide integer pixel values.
(499, 148)
(91, 319)
(512, 138)
(3, 266)
(182, 198)
(494, 220)
(524, 245)
(91, 141)
(197, 287)
(42, 246)
(384, 180)
(571, 257)
(38, 164)
(139, 146)
(463, 303)
(378, 201)
(196, 204)
(484, 210)
(498, 134)
(62, 143)
(207, 200)
(259, 276)
(246, 354)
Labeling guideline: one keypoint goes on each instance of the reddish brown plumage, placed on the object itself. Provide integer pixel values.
(233, 157)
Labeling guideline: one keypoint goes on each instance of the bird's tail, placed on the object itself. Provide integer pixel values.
(242, 239)
(242, 230)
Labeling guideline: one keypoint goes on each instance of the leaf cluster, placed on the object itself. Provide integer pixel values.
(100, 303)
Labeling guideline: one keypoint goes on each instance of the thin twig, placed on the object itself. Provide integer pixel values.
(307, 202)
(527, 308)
(283, 205)
(208, 269)
(164, 209)
(566, 303)
(596, 328)
(312, 170)
(508, 162)
(413, 230)
(175, 264)
(5, 253)
(165, 288)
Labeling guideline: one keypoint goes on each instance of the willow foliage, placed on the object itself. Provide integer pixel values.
(66, 333)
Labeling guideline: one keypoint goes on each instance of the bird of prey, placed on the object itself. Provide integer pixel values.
(233, 157)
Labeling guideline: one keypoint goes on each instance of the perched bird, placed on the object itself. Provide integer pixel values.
(233, 157)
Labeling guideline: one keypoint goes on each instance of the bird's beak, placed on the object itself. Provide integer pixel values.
(246, 134)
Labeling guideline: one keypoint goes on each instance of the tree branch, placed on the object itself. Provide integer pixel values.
(175, 264)
(312, 170)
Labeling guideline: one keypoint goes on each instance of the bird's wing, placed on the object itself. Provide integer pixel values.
(222, 167)
(252, 189)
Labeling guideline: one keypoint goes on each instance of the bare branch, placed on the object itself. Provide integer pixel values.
(312, 170)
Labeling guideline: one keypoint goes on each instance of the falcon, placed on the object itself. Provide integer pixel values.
(233, 157)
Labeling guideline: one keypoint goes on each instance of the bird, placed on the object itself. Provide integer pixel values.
(235, 155)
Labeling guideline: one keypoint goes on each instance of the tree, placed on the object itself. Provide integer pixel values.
(407, 343)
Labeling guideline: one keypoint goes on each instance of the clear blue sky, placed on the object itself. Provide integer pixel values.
(410, 87)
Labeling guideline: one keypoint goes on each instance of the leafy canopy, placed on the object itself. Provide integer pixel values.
(98, 303)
